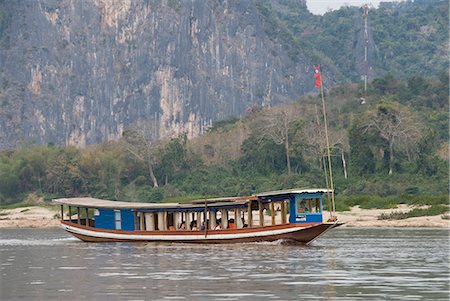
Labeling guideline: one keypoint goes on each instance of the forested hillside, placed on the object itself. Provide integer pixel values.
(406, 38)
(396, 143)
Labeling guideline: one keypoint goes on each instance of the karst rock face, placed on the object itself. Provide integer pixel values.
(81, 72)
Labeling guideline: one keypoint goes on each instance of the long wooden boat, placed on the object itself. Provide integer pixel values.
(293, 215)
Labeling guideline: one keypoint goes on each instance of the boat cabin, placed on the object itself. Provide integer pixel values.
(230, 213)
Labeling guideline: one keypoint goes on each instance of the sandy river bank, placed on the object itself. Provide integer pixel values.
(45, 217)
(358, 217)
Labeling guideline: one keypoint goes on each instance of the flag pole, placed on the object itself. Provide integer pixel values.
(324, 164)
(328, 149)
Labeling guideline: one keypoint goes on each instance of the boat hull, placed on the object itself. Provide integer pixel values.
(298, 233)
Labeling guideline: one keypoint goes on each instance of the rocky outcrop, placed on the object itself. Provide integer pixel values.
(80, 72)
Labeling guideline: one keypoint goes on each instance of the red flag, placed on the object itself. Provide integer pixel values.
(317, 76)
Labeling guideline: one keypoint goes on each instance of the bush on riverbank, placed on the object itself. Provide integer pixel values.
(344, 203)
(416, 212)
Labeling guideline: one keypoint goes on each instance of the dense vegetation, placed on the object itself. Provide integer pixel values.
(405, 38)
(395, 147)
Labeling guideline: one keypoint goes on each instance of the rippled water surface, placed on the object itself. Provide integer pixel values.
(345, 264)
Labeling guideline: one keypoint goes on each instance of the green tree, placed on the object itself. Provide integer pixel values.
(102, 167)
(262, 156)
(278, 125)
(142, 142)
(395, 124)
(428, 162)
(362, 159)
(63, 176)
(9, 180)
(173, 158)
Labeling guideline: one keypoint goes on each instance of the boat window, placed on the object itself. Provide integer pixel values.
(316, 205)
(170, 221)
(302, 206)
(308, 206)
(118, 220)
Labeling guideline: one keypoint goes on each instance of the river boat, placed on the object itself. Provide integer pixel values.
(292, 215)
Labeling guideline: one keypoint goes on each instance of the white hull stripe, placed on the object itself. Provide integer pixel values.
(180, 237)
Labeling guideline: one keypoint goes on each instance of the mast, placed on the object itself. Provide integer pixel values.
(319, 81)
(324, 164)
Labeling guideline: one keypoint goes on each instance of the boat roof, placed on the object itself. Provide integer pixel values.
(99, 203)
(293, 191)
(224, 199)
(200, 203)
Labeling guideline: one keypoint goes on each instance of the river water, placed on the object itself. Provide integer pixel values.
(345, 264)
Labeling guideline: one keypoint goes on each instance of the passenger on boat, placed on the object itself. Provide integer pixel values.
(302, 208)
(218, 225)
(202, 227)
(182, 226)
(244, 225)
(194, 226)
(231, 223)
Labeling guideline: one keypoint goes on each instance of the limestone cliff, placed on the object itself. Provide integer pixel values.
(80, 72)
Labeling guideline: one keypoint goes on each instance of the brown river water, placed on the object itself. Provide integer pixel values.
(345, 264)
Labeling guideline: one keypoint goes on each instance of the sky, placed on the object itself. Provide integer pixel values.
(319, 7)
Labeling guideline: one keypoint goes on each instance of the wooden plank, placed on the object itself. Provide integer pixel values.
(62, 212)
(188, 220)
(212, 220)
(198, 219)
(249, 214)
(238, 219)
(161, 221)
(151, 221)
(78, 215)
(261, 214)
(70, 213)
(283, 212)
(142, 216)
(272, 212)
(205, 218)
(87, 216)
(135, 219)
(224, 217)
